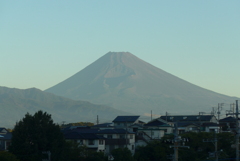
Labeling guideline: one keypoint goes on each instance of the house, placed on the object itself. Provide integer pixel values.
(210, 127)
(5, 139)
(92, 141)
(193, 123)
(103, 126)
(189, 118)
(104, 140)
(125, 121)
(159, 124)
(118, 138)
(228, 124)
(154, 130)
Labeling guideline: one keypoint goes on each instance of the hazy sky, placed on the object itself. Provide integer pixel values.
(44, 42)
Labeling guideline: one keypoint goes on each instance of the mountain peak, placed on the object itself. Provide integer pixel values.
(110, 53)
(123, 81)
(118, 57)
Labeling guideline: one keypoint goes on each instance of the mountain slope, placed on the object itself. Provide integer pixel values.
(125, 82)
(15, 103)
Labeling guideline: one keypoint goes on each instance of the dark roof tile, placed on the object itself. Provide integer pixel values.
(126, 118)
(187, 118)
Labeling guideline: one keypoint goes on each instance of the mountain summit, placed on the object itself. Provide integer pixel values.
(125, 82)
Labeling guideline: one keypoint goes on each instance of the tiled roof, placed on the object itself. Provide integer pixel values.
(184, 124)
(136, 125)
(97, 131)
(7, 136)
(114, 131)
(210, 124)
(126, 118)
(187, 118)
(156, 123)
(228, 119)
(2, 128)
(77, 135)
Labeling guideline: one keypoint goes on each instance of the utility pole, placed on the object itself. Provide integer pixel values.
(176, 145)
(232, 106)
(97, 120)
(215, 142)
(213, 110)
(151, 115)
(219, 110)
(126, 134)
(237, 133)
(237, 130)
(200, 123)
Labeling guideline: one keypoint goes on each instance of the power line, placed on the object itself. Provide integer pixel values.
(237, 130)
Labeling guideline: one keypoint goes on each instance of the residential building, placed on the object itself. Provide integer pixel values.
(90, 140)
(126, 121)
(102, 139)
(5, 139)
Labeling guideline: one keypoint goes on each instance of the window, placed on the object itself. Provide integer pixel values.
(122, 136)
(90, 142)
(212, 130)
(109, 136)
(101, 142)
(181, 131)
(80, 142)
(131, 136)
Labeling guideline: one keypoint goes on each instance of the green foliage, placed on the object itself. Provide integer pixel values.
(93, 156)
(82, 153)
(78, 124)
(155, 150)
(72, 150)
(35, 134)
(6, 156)
(198, 149)
(122, 154)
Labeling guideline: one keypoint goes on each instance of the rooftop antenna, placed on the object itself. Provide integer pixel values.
(97, 120)
(219, 109)
(237, 130)
(151, 115)
(166, 116)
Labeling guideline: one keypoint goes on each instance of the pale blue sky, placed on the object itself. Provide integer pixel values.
(44, 42)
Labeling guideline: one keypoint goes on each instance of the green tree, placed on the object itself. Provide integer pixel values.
(122, 154)
(36, 134)
(198, 148)
(154, 151)
(76, 152)
(6, 156)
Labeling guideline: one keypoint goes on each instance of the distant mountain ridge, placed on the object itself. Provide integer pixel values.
(15, 103)
(125, 82)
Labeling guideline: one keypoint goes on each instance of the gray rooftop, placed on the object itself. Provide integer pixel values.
(126, 118)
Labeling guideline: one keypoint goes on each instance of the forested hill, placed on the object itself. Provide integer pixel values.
(15, 103)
